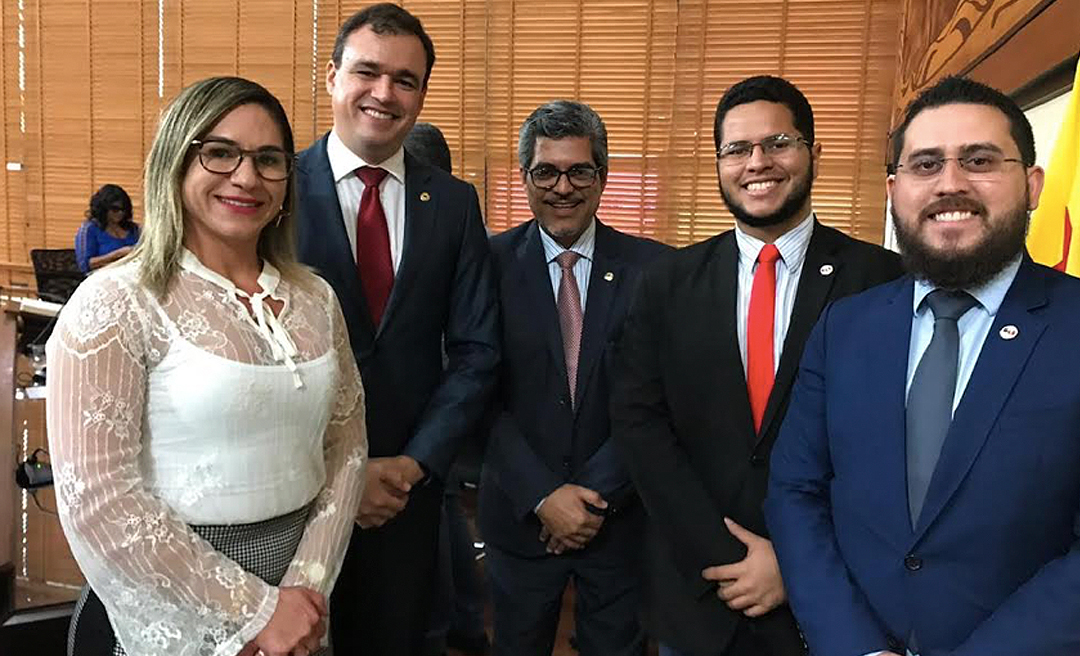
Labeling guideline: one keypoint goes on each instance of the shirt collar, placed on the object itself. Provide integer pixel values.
(344, 162)
(584, 246)
(268, 278)
(990, 294)
(792, 244)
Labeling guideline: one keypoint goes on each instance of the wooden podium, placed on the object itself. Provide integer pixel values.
(38, 576)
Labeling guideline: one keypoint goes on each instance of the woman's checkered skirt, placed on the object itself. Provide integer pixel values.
(264, 549)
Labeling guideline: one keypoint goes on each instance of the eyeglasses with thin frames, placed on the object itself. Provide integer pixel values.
(546, 176)
(223, 157)
(979, 166)
(777, 145)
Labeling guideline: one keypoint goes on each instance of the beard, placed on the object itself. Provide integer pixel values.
(958, 269)
(794, 202)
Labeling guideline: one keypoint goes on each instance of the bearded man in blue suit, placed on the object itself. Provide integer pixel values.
(925, 490)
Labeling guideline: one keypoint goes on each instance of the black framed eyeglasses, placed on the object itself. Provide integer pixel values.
(777, 145)
(546, 176)
(979, 166)
(223, 157)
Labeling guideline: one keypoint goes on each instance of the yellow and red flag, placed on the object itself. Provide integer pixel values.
(1054, 236)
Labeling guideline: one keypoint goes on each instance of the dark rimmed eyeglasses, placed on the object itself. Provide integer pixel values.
(223, 157)
(778, 145)
(546, 176)
(979, 166)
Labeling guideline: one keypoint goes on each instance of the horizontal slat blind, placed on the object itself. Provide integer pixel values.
(97, 73)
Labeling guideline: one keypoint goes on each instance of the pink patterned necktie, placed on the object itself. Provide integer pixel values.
(569, 306)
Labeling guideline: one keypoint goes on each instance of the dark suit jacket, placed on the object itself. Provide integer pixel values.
(443, 293)
(681, 412)
(993, 565)
(540, 440)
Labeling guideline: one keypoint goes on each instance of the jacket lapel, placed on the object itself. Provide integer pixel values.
(720, 348)
(329, 244)
(888, 340)
(419, 216)
(536, 281)
(820, 269)
(998, 366)
(602, 290)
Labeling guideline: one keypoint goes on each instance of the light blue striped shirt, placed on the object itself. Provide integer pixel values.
(792, 246)
(974, 326)
(584, 246)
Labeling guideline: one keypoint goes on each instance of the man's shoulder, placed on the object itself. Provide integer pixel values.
(417, 172)
(858, 251)
(679, 263)
(508, 241)
(631, 248)
(308, 158)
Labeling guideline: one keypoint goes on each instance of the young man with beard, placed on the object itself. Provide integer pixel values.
(703, 372)
(403, 244)
(925, 492)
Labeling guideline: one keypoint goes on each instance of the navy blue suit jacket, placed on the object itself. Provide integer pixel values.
(993, 566)
(539, 440)
(443, 297)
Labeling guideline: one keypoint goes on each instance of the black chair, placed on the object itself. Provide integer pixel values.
(57, 273)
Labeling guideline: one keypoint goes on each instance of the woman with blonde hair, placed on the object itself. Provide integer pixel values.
(205, 414)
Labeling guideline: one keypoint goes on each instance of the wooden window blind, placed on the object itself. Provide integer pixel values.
(84, 86)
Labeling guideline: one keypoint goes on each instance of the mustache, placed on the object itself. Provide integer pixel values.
(953, 204)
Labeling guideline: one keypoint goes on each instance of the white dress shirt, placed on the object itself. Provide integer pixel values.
(792, 246)
(584, 246)
(343, 165)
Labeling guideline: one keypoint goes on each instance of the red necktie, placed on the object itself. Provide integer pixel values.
(373, 244)
(568, 302)
(759, 333)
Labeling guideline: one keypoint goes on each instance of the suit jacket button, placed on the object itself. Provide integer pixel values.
(895, 645)
(566, 464)
(757, 460)
(913, 563)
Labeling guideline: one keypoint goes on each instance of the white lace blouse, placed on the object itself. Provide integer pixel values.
(195, 409)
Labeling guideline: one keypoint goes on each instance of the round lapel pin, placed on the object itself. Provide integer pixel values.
(609, 276)
(826, 269)
(1009, 332)
(425, 196)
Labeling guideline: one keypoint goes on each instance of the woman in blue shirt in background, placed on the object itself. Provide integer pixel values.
(108, 233)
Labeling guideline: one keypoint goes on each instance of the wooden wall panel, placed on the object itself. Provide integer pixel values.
(948, 37)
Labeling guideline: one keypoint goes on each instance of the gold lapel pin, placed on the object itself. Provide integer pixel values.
(1009, 332)
(826, 269)
(609, 276)
(425, 196)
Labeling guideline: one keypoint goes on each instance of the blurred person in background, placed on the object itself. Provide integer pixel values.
(109, 232)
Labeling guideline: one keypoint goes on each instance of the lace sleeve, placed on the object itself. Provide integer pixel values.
(167, 591)
(318, 558)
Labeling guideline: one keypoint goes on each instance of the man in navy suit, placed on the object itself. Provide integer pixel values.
(556, 503)
(404, 246)
(925, 489)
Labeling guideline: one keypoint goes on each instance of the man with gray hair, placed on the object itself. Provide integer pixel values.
(556, 502)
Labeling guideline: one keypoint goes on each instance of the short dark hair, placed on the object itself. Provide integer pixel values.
(956, 90)
(426, 143)
(560, 119)
(108, 196)
(769, 88)
(385, 18)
